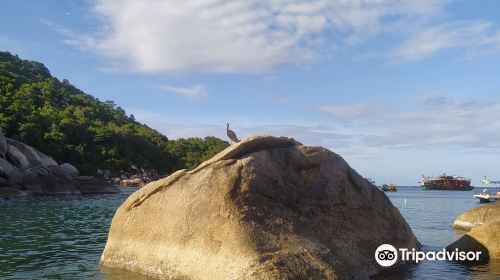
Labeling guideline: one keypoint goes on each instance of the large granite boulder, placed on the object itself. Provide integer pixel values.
(478, 216)
(264, 208)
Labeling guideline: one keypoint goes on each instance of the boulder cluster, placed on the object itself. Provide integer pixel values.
(24, 170)
(264, 208)
(137, 177)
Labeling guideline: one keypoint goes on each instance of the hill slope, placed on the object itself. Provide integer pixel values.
(72, 126)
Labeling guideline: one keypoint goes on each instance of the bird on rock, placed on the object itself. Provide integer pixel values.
(231, 135)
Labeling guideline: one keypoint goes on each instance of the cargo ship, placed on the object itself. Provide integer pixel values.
(446, 182)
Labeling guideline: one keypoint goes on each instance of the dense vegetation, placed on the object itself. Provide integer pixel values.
(64, 122)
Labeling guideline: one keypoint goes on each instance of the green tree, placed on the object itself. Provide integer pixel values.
(72, 126)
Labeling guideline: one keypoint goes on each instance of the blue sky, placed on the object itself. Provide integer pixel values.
(398, 88)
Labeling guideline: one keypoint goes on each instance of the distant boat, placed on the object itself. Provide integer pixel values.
(486, 196)
(446, 182)
(389, 188)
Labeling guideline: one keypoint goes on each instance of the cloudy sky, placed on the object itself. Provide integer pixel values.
(398, 88)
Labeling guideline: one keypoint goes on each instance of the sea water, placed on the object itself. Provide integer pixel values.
(430, 214)
(62, 237)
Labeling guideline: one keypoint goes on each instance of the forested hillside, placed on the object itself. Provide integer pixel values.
(72, 126)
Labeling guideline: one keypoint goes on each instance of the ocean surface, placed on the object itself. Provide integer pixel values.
(430, 215)
(63, 237)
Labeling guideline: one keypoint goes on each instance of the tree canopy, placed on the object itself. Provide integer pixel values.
(72, 126)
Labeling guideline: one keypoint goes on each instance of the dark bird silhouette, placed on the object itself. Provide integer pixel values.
(231, 135)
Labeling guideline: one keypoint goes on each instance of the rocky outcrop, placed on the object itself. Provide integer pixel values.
(483, 226)
(478, 216)
(25, 171)
(264, 208)
(137, 177)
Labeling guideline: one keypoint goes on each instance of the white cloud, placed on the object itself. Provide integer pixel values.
(354, 111)
(430, 40)
(433, 121)
(59, 28)
(222, 36)
(195, 92)
(205, 36)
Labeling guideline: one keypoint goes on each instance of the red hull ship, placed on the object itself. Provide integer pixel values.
(447, 183)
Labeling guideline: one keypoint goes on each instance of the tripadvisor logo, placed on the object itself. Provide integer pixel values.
(387, 255)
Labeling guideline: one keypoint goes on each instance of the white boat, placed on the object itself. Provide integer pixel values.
(486, 196)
